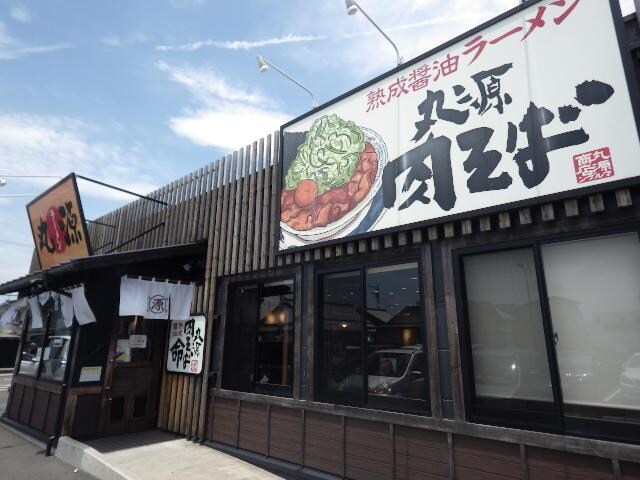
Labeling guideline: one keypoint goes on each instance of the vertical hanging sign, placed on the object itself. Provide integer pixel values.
(185, 351)
(57, 224)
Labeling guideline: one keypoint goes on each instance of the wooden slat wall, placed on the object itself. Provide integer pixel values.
(231, 203)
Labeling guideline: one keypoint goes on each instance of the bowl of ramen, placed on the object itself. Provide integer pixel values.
(332, 180)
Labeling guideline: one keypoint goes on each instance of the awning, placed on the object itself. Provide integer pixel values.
(57, 273)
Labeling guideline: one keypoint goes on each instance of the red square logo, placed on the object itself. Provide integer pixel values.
(594, 165)
(194, 365)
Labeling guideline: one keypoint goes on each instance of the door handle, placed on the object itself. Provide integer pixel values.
(555, 338)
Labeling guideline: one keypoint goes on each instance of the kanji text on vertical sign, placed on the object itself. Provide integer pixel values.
(535, 104)
(57, 224)
(185, 351)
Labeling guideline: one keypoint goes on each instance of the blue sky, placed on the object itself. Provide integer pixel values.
(139, 92)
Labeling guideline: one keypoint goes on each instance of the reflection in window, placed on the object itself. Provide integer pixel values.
(506, 328)
(31, 349)
(259, 338)
(275, 334)
(593, 287)
(396, 363)
(142, 329)
(56, 350)
(380, 363)
(342, 333)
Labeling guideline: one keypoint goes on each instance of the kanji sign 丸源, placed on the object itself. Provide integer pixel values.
(524, 108)
(57, 223)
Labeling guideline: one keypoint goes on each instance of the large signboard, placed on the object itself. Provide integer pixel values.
(57, 224)
(530, 106)
(185, 352)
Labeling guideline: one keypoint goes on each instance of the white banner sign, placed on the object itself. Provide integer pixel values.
(534, 105)
(155, 299)
(185, 352)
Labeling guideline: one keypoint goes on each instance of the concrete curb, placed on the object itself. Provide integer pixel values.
(87, 459)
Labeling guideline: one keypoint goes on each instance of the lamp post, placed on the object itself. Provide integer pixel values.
(352, 9)
(263, 66)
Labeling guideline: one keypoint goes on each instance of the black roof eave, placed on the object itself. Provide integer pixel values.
(100, 261)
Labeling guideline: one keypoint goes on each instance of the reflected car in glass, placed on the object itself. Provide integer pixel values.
(394, 372)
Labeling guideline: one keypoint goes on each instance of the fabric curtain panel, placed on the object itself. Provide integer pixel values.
(152, 299)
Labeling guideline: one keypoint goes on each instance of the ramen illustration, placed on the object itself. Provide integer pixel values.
(332, 177)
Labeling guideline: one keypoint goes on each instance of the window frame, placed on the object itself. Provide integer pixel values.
(411, 406)
(46, 321)
(558, 423)
(260, 388)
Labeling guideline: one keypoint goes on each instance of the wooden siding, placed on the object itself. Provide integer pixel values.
(368, 451)
(553, 465)
(34, 404)
(421, 454)
(324, 442)
(477, 458)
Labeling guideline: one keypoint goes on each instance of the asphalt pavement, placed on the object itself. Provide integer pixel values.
(21, 460)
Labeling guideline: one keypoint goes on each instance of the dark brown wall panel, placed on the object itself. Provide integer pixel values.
(630, 471)
(85, 418)
(420, 454)
(551, 465)
(52, 413)
(26, 405)
(39, 411)
(368, 450)
(225, 421)
(285, 434)
(13, 409)
(480, 458)
(253, 427)
(323, 443)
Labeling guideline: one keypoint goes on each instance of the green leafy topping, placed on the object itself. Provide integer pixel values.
(329, 154)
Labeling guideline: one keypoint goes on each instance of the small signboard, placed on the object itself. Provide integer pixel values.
(138, 341)
(58, 225)
(185, 352)
(90, 374)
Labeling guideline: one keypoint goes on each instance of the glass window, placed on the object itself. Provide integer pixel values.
(57, 345)
(31, 349)
(259, 338)
(342, 341)
(563, 355)
(372, 338)
(506, 328)
(593, 288)
(396, 364)
(275, 334)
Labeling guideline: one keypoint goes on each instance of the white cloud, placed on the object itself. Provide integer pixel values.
(242, 44)
(224, 115)
(229, 127)
(12, 48)
(46, 145)
(209, 87)
(21, 14)
(130, 39)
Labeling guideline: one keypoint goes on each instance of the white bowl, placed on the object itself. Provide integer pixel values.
(348, 222)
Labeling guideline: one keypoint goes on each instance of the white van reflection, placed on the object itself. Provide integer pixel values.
(511, 373)
(395, 372)
(630, 376)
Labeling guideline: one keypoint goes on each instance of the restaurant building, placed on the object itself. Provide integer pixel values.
(435, 275)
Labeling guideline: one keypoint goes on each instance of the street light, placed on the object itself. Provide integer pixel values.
(352, 9)
(263, 66)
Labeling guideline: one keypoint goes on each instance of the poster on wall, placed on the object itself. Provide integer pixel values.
(185, 352)
(58, 225)
(532, 105)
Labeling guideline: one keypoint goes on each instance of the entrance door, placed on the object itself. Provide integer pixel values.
(133, 393)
